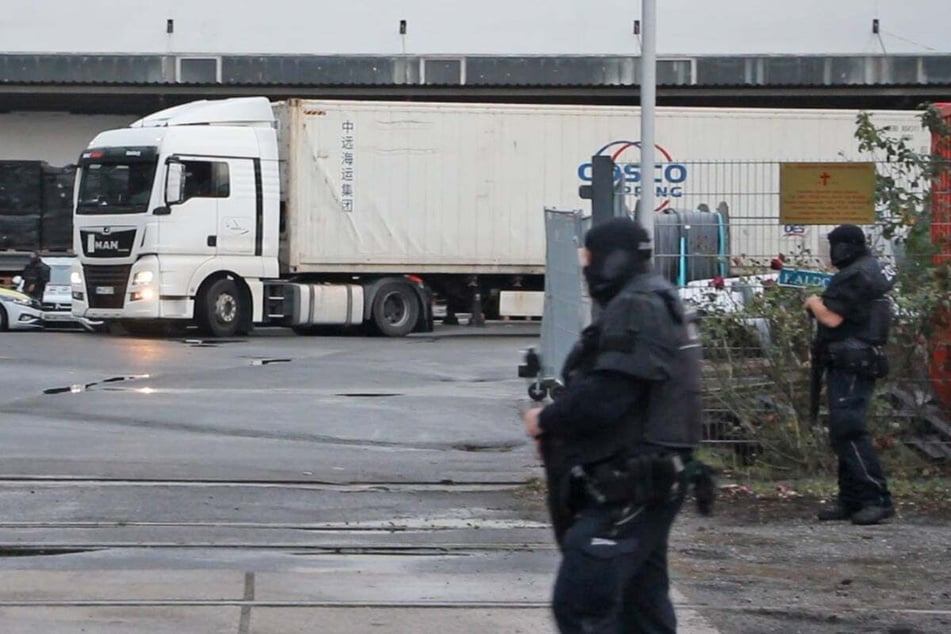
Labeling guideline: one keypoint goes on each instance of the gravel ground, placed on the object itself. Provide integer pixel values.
(766, 565)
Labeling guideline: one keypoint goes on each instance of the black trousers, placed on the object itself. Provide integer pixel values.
(613, 575)
(861, 480)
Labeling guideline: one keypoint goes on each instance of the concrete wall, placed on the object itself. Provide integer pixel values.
(497, 27)
(56, 138)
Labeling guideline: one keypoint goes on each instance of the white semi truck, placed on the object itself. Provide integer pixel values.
(242, 212)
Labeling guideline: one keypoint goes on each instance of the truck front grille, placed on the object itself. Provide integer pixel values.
(106, 284)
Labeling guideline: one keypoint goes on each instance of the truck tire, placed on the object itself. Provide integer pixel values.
(395, 310)
(219, 312)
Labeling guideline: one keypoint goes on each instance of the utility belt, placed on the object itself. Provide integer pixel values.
(858, 357)
(639, 480)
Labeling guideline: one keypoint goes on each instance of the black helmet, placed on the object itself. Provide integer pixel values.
(846, 245)
(848, 234)
(620, 248)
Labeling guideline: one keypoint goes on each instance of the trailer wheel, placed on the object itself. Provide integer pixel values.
(395, 310)
(220, 309)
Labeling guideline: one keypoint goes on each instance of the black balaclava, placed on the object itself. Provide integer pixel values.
(846, 245)
(620, 248)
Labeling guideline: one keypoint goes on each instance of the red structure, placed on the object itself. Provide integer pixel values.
(941, 237)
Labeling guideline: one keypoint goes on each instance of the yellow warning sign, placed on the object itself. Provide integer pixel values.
(826, 193)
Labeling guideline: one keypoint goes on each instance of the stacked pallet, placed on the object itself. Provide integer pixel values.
(35, 206)
(21, 204)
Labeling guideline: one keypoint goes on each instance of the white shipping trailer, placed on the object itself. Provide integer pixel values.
(450, 188)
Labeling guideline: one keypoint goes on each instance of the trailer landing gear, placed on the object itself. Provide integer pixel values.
(539, 388)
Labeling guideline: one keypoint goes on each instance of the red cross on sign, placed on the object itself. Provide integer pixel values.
(824, 177)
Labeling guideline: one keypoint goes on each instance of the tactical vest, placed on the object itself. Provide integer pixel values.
(860, 288)
(645, 333)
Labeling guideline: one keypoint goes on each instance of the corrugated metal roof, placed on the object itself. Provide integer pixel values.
(603, 71)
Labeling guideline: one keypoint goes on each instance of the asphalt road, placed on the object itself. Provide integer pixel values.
(270, 484)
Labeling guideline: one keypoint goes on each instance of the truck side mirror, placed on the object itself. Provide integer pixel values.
(174, 183)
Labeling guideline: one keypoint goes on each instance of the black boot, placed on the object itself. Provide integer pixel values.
(834, 512)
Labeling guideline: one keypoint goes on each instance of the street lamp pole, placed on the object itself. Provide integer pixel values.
(648, 90)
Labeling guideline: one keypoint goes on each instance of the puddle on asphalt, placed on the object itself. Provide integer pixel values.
(12, 551)
(269, 361)
(472, 448)
(72, 389)
(210, 343)
(78, 388)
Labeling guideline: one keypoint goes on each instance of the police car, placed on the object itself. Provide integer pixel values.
(19, 311)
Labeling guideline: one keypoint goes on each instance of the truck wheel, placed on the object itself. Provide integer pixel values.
(395, 310)
(219, 312)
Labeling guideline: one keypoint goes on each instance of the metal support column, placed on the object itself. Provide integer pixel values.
(648, 102)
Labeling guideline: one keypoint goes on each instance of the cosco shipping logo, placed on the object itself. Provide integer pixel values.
(669, 175)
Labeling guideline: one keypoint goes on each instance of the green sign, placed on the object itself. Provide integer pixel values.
(799, 277)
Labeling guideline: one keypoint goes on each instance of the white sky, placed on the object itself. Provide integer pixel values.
(491, 27)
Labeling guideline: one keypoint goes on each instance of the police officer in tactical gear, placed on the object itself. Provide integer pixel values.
(853, 317)
(616, 440)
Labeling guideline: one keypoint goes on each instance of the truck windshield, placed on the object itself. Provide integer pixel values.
(115, 186)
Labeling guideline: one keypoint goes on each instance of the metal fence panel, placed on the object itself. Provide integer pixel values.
(567, 308)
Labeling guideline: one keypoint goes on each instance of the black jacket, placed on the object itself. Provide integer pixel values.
(632, 379)
(851, 294)
(36, 275)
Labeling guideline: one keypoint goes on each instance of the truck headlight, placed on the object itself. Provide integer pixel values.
(75, 278)
(142, 277)
(145, 294)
